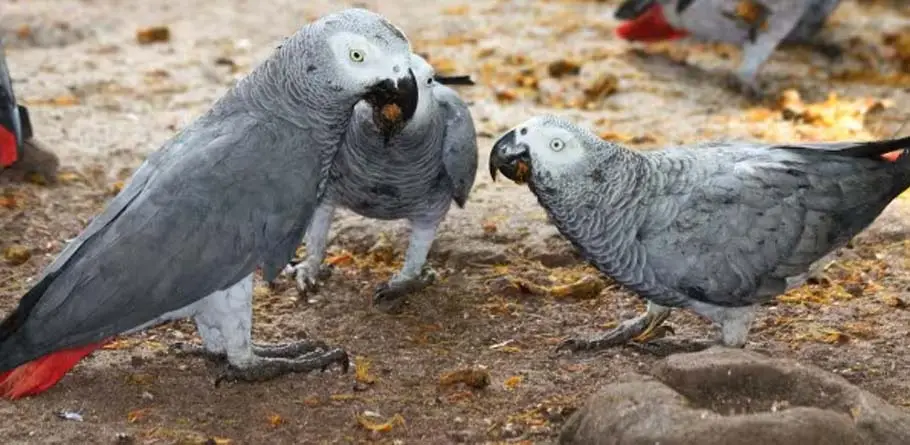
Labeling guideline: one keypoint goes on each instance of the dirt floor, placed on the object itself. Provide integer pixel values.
(103, 100)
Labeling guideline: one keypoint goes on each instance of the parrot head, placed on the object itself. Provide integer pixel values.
(372, 61)
(11, 136)
(543, 145)
(646, 21)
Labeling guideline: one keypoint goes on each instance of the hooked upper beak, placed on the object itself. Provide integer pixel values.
(11, 136)
(394, 103)
(511, 158)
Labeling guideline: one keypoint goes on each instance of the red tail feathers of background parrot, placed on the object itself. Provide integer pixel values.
(41, 374)
(651, 26)
(8, 148)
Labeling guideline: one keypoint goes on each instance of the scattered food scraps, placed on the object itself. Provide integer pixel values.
(17, 254)
(895, 302)
(473, 377)
(343, 259)
(135, 415)
(563, 67)
(588, 286)
(602, 86)
(489, 227)
(275, 420)
(70, 415)
(512, 382)
(362, 371)
(9, 201)
(367, 422)
(382, 251)
(153, 34)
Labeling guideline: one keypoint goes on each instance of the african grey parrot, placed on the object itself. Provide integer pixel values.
(19, 151)
(415, 175)
(233, 191)
(717, 228)
(758, 25)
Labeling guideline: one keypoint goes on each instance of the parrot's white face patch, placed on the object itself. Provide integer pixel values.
(362, 62)
(424, 73)
(552, 149)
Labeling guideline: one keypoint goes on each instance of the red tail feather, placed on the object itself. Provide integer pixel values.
(651, 26)
(8, 151)
(892, 156)
(41, 374)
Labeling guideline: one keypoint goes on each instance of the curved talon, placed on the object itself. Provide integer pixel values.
(308, 281)
(571, 345)
(390, 295)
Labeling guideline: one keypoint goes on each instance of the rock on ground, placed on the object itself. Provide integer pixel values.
(723, 396)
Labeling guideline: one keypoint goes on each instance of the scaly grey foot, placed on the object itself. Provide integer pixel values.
(748, 88)
(268, 368)
(282, 350)
(389, 296)
(192, 349)
(642, 329)
(310, 278)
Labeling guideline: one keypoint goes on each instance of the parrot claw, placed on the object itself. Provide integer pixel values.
(190, 349)
(289, 350)
(641, 329)
(268, 368)
(309, 280)
(389, 296)
(748, 88)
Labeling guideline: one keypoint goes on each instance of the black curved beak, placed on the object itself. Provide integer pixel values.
(511, 158)
(394, 103)
(632, 9)
(454, 80)
(11, 133)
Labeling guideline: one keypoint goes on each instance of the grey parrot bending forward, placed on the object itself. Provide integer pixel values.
(233, 191)
(759, 26)
(415, 175)
(717, 228)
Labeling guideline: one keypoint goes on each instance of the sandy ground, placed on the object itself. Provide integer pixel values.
(103, 101)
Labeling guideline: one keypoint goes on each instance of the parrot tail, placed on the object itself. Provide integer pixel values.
(41, 374)
(650, 26)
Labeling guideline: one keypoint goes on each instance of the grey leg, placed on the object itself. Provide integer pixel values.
(311, 270)
(756, 53)
(641, 329)
(734, 322)
(415, 274)
(225, 323)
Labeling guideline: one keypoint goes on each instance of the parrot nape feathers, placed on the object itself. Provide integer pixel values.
(717, 228)
(415, 176)
(231, 193)
(759, 26)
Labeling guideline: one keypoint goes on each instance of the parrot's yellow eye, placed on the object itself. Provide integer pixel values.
(356, 55)
(557, 144)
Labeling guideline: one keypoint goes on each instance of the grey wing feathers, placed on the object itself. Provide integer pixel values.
(734, 239)
(198, 216)
(459, 143)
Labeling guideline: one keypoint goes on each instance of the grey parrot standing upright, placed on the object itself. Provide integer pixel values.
(717, 228)
(233, 192)
(759, 26)
(415, 175)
